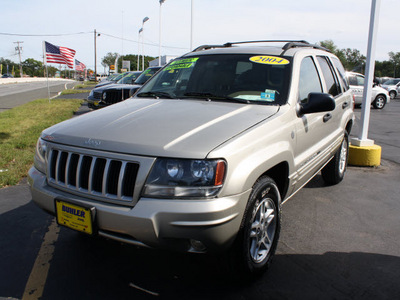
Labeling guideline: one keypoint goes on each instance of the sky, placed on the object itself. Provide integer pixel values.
(72, 23)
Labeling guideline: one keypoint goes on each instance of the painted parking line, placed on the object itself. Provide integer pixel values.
(37, 279)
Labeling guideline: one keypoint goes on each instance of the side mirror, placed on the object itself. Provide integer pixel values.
(317, 102)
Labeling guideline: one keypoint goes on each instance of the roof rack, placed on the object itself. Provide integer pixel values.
(289, 44)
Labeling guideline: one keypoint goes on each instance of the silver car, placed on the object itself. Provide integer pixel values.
(393, 87)
(205, 154)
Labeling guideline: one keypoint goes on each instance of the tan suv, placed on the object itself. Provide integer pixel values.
(205, 154)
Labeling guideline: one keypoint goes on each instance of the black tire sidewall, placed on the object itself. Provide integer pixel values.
(248, 265)
(376, 102)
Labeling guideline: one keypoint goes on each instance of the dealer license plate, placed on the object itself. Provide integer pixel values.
(74, 216)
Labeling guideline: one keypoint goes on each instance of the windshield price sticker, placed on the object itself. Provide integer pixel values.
(269, 60)
(182, 64)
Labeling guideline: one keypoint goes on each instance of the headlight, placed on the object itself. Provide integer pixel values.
(91, 93)
(40, 155)
(180, 178)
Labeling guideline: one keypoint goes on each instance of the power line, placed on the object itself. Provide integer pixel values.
(59, 34)
(148, 44)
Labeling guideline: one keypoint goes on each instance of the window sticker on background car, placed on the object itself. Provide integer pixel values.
(182, 64)
(269, 60)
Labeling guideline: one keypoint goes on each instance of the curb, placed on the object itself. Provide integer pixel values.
(365, 156)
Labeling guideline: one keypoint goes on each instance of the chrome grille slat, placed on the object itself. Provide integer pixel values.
(120, 179)
(105, 175)
(66, 171)
(90, 184)
(90, 175)
(78, 173)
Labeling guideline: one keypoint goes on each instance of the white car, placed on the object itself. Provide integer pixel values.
(379, 96)
(393, 87)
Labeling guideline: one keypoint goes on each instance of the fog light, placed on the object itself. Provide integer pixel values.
(197, 246)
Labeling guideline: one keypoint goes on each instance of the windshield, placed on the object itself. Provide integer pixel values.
(235, 78)
(130, 78)
(392, 82)
(118, 77)
(146, 75)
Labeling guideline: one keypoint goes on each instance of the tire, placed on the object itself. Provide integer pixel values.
(392, 95)
(333, 172)
(258, 237)
(379, 102)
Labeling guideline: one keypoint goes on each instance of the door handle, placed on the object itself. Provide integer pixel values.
(327, 117)
(345, 104)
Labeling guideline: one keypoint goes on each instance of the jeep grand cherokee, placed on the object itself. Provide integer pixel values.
(204, 155)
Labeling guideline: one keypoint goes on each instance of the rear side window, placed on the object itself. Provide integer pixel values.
(309, 79)
(356, 80)
(329, 77)
(342, 73)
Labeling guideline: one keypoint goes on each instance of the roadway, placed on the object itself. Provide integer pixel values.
(337, 242)
(15, 93)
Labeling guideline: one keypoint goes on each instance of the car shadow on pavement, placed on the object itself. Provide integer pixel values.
(85, 267)
(103, 269)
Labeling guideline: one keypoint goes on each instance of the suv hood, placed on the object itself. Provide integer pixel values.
(117, 86)
(152, 127)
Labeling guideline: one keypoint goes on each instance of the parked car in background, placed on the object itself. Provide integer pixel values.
(130, 78)
(111, 79)
(6, 75)
(117, 92)
(202, 157)
(393, 87)
(379, 98)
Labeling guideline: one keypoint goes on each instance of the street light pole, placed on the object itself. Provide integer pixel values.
(159, 36)
(138, 53)
(144, 21)
(191, 26)
(95, 55)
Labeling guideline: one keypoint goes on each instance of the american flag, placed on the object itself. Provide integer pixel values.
(59, 55)
(79, 66)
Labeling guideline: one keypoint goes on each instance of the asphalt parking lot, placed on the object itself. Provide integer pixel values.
(337, 242)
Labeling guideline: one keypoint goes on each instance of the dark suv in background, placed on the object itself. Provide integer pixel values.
(112, 93)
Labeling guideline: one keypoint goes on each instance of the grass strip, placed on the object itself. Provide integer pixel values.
(20, 128)
(79, 91)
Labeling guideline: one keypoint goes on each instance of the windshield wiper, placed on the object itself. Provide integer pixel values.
(210, 97)
(156, 95)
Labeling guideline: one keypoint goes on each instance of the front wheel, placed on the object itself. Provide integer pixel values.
(258, 237)
(392, 95)
(333, 172)
(379, 102)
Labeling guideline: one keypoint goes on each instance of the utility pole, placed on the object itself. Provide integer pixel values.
(95, 56)
(19, 49)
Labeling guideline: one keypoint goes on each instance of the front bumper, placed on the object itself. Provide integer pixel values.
(160, 223)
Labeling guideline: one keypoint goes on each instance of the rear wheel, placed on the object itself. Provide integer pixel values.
(379, 102)
(392, 94)
(258, 237)
(333, 172)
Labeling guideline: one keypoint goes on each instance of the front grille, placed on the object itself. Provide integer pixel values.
(114, 96)
(97, 95)
(105, 178)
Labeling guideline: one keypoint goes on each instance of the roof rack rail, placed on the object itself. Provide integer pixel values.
(289, 44)
(266, 41)
(206, 47)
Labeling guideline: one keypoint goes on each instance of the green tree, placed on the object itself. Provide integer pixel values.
(355, 61)
(32, 67)
(394, 58)
(109, 59)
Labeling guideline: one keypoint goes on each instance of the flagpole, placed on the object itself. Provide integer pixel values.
(47, 71)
